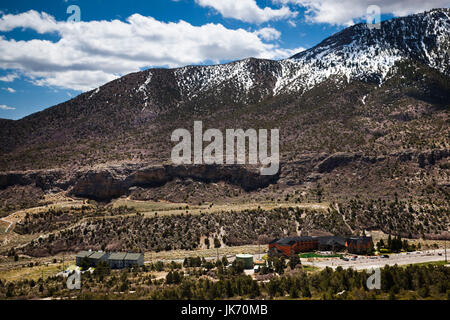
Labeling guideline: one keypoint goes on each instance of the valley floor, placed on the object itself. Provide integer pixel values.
(249, 222)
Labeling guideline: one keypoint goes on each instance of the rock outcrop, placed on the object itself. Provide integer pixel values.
(109, 182)
(114, 181)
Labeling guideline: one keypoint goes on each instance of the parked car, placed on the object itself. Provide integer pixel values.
(385, 256)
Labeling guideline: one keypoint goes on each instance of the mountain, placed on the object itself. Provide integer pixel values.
(362, 114)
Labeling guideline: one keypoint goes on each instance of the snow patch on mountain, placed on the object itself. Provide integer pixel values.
(94, 93)
(193, 81)
(355, 53)
(143, 87)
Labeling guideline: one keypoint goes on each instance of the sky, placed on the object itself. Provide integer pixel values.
(53, 50)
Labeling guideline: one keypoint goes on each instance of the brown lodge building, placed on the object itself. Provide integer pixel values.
(294, 245)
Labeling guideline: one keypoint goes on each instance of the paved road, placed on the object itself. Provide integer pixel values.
(230, 258)
(363, 262)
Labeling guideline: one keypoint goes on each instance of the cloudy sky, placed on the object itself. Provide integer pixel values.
(52, 50)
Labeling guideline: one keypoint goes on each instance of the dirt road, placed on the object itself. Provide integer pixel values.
(9, 226)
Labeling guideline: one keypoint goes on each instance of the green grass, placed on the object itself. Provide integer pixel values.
(433, 263)
(34, 273)
(143, 206)
(310, 268)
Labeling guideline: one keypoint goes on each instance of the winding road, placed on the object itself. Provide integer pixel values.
(6, 221)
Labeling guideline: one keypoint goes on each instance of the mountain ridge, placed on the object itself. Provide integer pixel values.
(246, 69)
(331, 99)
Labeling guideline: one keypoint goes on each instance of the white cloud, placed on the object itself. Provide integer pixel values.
(11, 90)
(40, 22)
(89, 54)
(346, 12)
(286, 53)
(268, 34)
(9, 77)
(247, 10)
(4, 107)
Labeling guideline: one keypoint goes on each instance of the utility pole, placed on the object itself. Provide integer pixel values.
(259, 249)
(445, 250)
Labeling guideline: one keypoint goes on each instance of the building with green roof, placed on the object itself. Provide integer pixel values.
(134, 259)
(81, 256)
(96, 257)
(115, 260)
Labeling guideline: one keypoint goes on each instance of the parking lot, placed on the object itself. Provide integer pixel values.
(365, 262)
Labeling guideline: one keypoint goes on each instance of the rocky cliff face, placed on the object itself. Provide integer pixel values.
(107, 183)
(114, 182)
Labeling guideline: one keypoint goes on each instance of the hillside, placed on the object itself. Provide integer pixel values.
(363, 115)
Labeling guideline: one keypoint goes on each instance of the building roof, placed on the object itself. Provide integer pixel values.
(291, 240)
(133, 256)
(323, 240)
(84, 254)
(97, 255)
(117, 256)
(359, 240)
(331, 240)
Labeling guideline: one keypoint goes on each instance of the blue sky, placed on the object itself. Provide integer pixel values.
(45, 60)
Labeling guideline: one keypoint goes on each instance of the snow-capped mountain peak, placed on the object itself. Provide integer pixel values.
(355, 53)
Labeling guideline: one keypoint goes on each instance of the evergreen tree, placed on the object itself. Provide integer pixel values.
(294, 260)
(169, 278)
